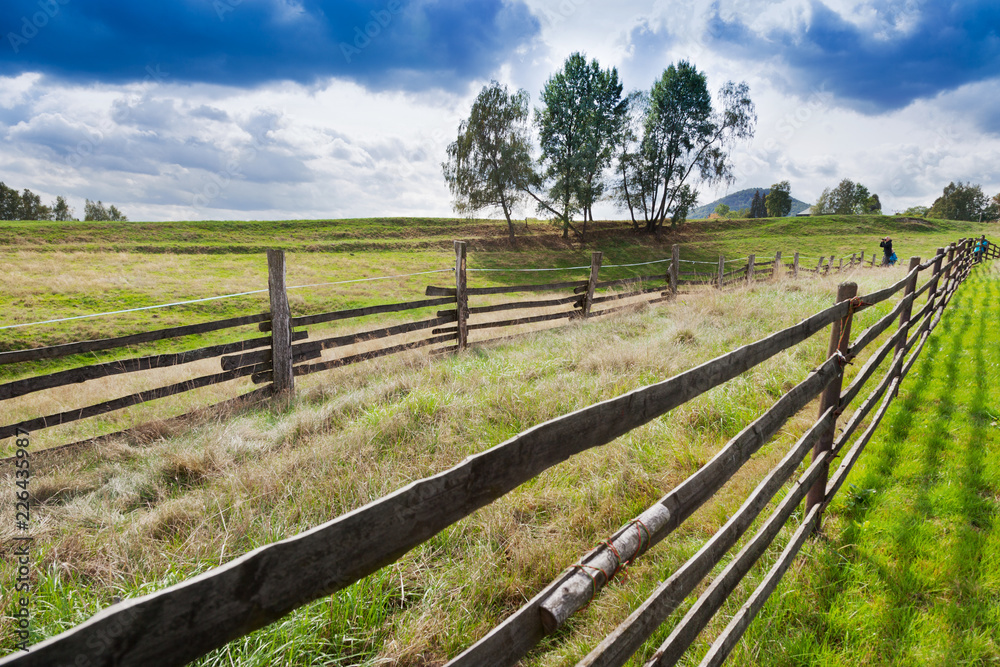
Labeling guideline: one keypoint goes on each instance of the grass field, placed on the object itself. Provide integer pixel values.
(128, 518)
(908, 569)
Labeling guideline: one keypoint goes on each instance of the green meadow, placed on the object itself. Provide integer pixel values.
(904, 571)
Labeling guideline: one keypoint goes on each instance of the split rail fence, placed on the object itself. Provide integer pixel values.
(187, 620)
(288, 352)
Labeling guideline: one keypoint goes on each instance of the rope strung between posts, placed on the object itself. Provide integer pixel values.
(622, 266)
(213, 298)
(368, 280)
(558, 268)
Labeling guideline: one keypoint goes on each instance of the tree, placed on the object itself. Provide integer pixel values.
(722, 210)
(10, 203)
(61, 211)
(757, 209)
(916, 211)
(685, 138)
(848, 198)
(992, 212)
(32, 207)
(95, 211)
(959, 201)
(873, 204)
(631, 180)
(779, 200)
(581, 119)
(489, 164)
(115, 215)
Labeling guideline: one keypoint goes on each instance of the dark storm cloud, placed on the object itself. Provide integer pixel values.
(401, 44)
(883, 64)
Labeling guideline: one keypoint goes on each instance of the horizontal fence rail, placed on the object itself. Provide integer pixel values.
(185, 621)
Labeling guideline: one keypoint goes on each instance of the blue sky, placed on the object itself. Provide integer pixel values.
(218, 109)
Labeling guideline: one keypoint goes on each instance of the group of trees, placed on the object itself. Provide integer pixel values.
(26, 205)
(847, 198)
(644, 150)
(776, 202)
(964, 201)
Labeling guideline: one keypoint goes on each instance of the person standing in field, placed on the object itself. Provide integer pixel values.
(887, 254)
(979, 249)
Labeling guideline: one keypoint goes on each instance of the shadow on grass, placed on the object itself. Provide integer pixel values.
(935, 381)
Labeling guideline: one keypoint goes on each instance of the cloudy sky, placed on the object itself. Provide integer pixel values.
(273, 109)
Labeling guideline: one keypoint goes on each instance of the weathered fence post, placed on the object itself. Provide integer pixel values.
(840, 267)
(934, 291)
(777, 265)
(750, 260)
(595, 269)
(461, 295)
(829, 267)
(948, 272)
(861, 262)
(722, 270)
(281, 323)
(795, 266)
(819, 267)
(873, 259)
(675, 260)
(904, 315)
(840, 342)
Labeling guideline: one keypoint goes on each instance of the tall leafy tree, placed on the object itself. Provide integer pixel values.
(62, 211)
(873, 204)
(10, 203)
(847, 198)
(992, 211)
(98, 212)
(757, 208)
(633, 183)
(686, 138)
(32, 207)
(489, 164)
(959, 201)
(778, 201)
(581, 119)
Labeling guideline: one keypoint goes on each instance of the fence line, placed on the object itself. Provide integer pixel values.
(586, 294)
(205, 612)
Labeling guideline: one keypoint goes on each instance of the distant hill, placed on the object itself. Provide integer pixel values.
(741, 199)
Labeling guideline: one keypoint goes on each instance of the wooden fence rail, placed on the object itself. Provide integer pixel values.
(185, 621)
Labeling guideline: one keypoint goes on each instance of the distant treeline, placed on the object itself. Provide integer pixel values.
(26, 205)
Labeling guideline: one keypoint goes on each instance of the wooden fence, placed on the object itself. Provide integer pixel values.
(185, 621)
(288, 352)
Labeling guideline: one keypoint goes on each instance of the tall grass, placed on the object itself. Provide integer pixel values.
(126, 518)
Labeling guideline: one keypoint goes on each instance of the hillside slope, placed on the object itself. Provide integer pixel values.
(741, 199)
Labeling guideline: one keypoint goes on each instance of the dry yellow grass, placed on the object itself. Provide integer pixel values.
(128, 516)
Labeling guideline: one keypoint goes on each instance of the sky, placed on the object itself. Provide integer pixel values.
(289, 109)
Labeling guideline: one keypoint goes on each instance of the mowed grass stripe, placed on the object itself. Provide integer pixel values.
(908, 569)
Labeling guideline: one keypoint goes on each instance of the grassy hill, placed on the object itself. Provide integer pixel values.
(740, 200)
